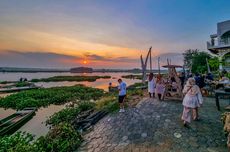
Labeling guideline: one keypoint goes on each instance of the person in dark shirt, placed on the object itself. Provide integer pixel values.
(209, 77)
(182, 79)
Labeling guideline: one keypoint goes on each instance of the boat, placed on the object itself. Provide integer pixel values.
(13, 122)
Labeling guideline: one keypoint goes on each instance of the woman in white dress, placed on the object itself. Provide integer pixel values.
(191, 102)
(151, 85)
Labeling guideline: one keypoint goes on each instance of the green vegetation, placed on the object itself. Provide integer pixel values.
(139, 84)
(46, 96)
(61, 138)
(108, 102)
(18, 142)
(68, 114)
(22, 84)
(196, 60)
(132, 76)
(4, 82)
(70, 78)
(214, 64)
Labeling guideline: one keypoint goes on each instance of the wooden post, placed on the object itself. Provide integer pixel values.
(150, 51)
(144, 66)
(159, 69)
(209, 71)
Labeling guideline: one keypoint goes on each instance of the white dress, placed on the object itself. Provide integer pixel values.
(151, 86)
(192, 101)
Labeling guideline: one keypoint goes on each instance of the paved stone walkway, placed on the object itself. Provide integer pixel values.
(155, 126)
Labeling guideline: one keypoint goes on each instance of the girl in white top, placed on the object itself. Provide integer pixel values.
(151, 85)
(192, 101)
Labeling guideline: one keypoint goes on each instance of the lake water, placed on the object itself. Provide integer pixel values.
(100, 83)
(36, 125)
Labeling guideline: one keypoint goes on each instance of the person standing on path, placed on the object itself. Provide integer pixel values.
(151, 85)
(122, 94)
(191, 102)
(160, 87)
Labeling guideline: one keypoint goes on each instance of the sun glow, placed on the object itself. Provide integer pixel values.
(85, 62)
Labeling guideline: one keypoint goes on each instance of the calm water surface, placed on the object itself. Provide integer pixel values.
(36, 125)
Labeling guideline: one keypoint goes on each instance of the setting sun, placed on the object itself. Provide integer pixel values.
(84, 62)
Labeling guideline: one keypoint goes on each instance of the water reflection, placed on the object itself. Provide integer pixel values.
(37, 125)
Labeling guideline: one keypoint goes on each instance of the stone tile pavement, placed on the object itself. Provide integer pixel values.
(155, 126)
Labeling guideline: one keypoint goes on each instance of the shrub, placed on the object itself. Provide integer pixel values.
(45, 96)
(18, 142)
(61, 138)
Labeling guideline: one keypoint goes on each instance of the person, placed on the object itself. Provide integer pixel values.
(197, 78)
(174, 84)
(209, 77)
(151, 85)
(122, 94)
(224, 72)
(182, 79)
(191, 102)
(160, 87)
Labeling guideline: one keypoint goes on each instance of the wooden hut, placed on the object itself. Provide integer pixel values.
(173, 88)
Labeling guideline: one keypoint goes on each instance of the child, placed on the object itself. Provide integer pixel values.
(192, 100)
(151, 85)
(160, 88)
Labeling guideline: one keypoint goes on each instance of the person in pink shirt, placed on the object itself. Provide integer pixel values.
(191, 102)
(160, 87)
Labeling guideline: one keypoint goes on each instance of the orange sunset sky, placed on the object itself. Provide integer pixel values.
(103, 34)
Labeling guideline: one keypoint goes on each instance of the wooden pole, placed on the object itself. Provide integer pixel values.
(159, 69)
(209, 71)
(144, 66)
(150, 51)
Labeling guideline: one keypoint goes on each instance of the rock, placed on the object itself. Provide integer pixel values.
(177, 135)
(144, 135)
(124, 138)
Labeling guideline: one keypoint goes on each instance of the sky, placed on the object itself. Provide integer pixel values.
(103, 33)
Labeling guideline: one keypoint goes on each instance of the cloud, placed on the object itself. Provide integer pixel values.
(110, 59)
(15, 58)
(36, 59)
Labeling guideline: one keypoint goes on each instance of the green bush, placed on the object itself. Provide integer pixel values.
(61, 138)
(22, 84)
(65, 115)
(18, 142)
(70, 78)
(68, 114)
(45, 96)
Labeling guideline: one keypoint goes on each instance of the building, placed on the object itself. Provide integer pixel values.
(220, 44)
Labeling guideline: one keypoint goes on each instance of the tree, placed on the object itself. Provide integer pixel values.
(214, 63)
(188, 56)
(199, 62)
(195, 60)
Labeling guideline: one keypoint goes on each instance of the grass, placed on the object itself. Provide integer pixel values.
(63, 136)
(70, 78)
(132, 76)
(46, 96)
(68, 114)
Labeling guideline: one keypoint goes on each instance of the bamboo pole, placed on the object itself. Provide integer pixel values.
(159, 69)
(150, 52)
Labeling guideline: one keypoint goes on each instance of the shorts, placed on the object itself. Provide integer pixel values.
(121, 98)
